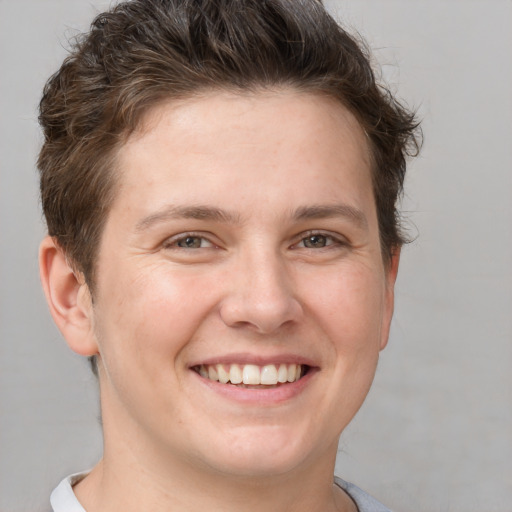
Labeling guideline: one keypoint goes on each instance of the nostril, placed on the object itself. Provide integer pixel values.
(261, 314)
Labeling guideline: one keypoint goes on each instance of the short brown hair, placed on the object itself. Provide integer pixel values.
(142, 52)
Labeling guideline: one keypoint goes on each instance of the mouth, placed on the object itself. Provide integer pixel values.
(252, 376)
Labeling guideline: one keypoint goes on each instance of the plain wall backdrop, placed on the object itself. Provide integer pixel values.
(435, 433)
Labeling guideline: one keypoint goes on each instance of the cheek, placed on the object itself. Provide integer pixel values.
(151, 317)
(348, 309)
(349, 305)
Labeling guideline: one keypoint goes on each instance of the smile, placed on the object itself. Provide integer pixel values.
(251, 374)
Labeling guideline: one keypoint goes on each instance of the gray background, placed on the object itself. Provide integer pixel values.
(436, 431)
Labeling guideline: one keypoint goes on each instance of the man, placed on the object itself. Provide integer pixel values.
(219, 180)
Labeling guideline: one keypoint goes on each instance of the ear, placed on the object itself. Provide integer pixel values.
(68, 298)
(391, 271)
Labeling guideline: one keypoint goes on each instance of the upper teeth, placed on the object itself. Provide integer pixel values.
(251, 374)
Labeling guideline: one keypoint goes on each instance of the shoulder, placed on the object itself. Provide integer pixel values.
(364, 502)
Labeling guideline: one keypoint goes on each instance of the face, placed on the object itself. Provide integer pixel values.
(241, 298)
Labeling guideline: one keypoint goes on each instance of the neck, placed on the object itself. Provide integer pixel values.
(123, 483)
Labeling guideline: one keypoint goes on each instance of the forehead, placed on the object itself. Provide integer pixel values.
(220, 113)
(270, 141)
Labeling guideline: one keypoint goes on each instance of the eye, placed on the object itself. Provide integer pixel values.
(189, 241)
(321, 242)
(316, 241)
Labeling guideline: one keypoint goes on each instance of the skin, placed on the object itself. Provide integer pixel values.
(280, 167)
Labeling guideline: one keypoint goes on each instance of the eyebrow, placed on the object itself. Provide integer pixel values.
(205, 212)
(200, 212)
(329, 211)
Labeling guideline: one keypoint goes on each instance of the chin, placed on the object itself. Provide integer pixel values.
(262, 452)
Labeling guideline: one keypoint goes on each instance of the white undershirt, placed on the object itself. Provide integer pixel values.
(63, 498)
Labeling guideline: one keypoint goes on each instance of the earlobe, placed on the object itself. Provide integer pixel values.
(68, 298)
(391, 274)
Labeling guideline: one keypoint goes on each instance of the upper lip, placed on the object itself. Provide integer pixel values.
(256, 359)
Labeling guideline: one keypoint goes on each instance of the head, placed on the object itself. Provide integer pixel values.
(143, 53)
(153, 88)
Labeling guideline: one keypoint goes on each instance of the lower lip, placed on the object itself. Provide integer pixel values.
(259, 396)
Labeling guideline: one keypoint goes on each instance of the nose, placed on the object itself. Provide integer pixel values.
(260, 295)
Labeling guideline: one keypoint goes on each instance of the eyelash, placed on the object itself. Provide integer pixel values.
(331, 241)
(172, 243)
